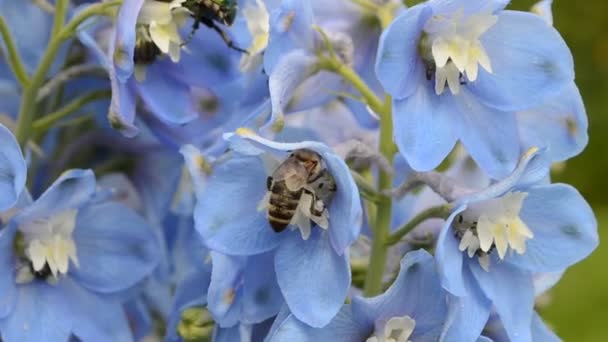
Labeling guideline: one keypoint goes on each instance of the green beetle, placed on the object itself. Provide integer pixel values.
(210, 11)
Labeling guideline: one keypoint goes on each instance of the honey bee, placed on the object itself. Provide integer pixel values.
(301, 173)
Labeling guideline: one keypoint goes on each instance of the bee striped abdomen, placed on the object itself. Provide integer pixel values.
(282, 205)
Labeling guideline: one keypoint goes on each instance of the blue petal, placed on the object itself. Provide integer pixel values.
(512, 293)
(290, 29)
(165, 97)
(124, 41)
(193, 158)
(398, 64)
(262, 296)
(532, 167)
(449, 258)
(541, 332)
(468, 314)
(315, 263)
(530, 61)
(13, 170)
(8, 288)
(115, 247)
(94, 318)
(489, 135)
(73, 189)
(560, 125)
(231, 334)
(469, 7)
(564, 227)
(226, 215)
(122, 106)
(39, 315)
(345, 212)
(342, 328)
(225, 293)
(425, 127)
(290, 71)
(416, 292)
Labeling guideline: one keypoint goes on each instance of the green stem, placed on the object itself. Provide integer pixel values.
(381, 229)
(441, 211)
(336, 66)
(28, 99)
(49, 120)
(14, 60)
(61, 7)
(365, 188)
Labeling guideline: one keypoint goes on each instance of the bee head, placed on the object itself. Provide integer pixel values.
(310, 159)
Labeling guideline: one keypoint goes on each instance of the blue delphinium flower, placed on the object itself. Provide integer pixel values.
(497, 239)
(459, 70)
(291, 56)
(413, 308)
(66, 265)
(68, 256)
(231, 217)
(164, 85)
(243, 289)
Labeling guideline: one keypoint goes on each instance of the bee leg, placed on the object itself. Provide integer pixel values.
(313, 209)
(268, 183)
(209, 23)
(195, 27)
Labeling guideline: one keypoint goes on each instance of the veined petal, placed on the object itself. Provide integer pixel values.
(95, 317)
(564, 227)
(512, 293)
(342, 328)
(40, 310)
(225, 292)
(73, 189)
(416, 292)
(290, 29)
(489, 135)
(560, 125)
(449, 258)
(226, 215)
(317, 303)
(425, 127)
(116, 248)
(262, 298)
(166, 97)
(289, 72)
(467, 314)
(8, 287)
(531, 63)
(398, 65)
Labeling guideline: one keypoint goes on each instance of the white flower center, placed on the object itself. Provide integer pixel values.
(397, 329)
(257, 19)
(494, 224)
(49, 241)
(452, 44)
(163, 20)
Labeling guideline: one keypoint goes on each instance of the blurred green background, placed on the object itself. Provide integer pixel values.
(578, 308)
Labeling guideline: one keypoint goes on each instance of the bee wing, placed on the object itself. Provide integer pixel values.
(293, 174)
(295, 180)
